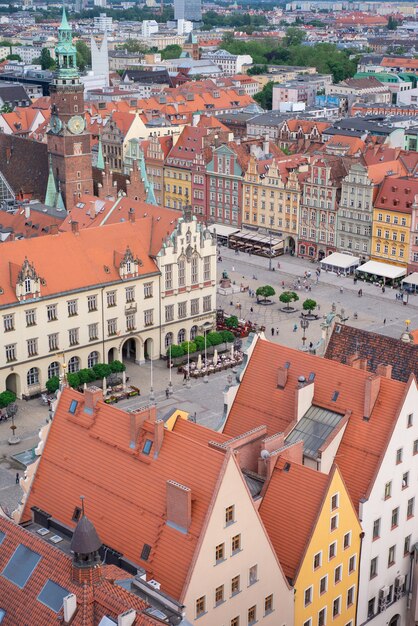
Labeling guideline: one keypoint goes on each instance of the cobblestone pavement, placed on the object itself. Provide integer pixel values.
(206, 400)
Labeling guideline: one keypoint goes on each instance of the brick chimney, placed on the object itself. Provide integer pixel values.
(371, 391)
(74, 227)
(92, 395)
(360, 364)
(131, 215)
(384, 370)
(282, 377)
(53, 229)
(351, 358)
(179, 506)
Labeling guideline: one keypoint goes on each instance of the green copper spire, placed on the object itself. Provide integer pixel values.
(100, 158)
(65, 52)
(51, 188)
(150, 199)
(59, 202)
(142, 168)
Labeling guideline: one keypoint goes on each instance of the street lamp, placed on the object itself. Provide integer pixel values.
(304, 324)
(151, 391)
(205, 377)
(170, 365)
(188, 383)
(270, 253)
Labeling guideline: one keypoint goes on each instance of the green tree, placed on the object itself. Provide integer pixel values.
(52, 384)
(133, 45)
(266, 291)
(83, 55)
(232, 321)
(45, 60)
(287, 297)
(6, 398)
(173, 51)
(6, 109)
(265, 96)
(176, 351)
(257, 69)
(392, 23)
(294, 37)
(14, 57)
(309, 305)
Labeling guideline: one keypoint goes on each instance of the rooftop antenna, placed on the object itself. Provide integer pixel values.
(82, 504)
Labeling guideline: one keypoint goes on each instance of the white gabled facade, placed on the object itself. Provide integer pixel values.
(389, 521)
(244, 583)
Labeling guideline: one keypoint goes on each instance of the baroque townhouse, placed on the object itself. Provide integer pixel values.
(319, 206)
(105, 297)
(392, 220)
(224, 184)
(272, 194)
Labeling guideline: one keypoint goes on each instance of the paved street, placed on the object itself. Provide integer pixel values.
(206, 400)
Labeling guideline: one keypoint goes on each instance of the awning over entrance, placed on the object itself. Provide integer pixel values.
(384, 270)
(264, 245)
(223, 232)
(341, 261)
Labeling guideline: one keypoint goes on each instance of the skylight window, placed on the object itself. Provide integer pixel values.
(52, 595)
(147, 446)
(73, 406)
(335, 396)
(146, 550)
(2, 536)
(21, 565)
(2, 615)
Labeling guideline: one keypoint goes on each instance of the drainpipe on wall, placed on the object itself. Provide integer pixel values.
(103, 336)
(358, 577)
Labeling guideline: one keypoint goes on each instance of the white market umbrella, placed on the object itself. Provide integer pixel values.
(232, 351)
(124, 380)
(199, 362)
(215, 357)
(104, 386)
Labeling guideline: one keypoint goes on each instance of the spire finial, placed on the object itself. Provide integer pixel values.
(82, 504)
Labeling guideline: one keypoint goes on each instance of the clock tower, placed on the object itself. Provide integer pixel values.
(68, 139)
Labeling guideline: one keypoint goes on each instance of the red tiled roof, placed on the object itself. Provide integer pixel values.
(91, 252)
(93, 601)
(126, 490)
(290, 507)
(188, 145)
(399, 62)
(260, 402)
(36, 225)
(397, 194)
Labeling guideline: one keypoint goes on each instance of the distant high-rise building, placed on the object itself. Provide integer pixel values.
(188, 10)
(100, 58)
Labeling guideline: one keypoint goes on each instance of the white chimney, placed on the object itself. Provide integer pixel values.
(70, 607)
(127, 618)
(27, 212)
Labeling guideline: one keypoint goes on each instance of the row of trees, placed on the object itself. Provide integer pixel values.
(87, 375)
(198, 344)
(240, 21)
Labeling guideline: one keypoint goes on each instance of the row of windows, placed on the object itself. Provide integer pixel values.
(336, 604)
(393, 250)
(396, 219)
(33, 375)
(332, 553)
(182, 308)
(201, 606)
(336, 611)
(73, 306)
(74, 335)
(356, 245)
(181, 272)
(374, 563)
(394, 235)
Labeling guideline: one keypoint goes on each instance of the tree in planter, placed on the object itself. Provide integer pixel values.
(213, 339)
(309, 305)
(191, 344)
(200, 342)
(287, 297)
(266, 291)
(227, 336)
(176, 351)
(6, 398)
(52, 384)
(232, 321)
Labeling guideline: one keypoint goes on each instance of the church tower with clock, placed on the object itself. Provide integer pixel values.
(68, 140)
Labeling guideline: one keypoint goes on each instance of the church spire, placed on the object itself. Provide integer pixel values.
(64, 22)
(150, 199)
(100, 157)
(51, 188)
(65, 52)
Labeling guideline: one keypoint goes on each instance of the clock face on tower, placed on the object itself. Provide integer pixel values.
(76, 124)
(55, 124)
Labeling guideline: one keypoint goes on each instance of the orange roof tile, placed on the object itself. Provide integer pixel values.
(260, 402)
(125, 489)
(290, 507)
(95, 601)
(91, 252)
(399, 62)
(397, 194)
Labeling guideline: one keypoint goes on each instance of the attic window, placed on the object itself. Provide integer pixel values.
(76, 514)
(338, 328)
(146, 550)
(311, 377)
(106, 269)
(335, 396)
(147, 446)
(73, 407)
(286, 467)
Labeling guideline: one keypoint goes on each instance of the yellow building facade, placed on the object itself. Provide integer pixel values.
(391, 236)
(326, 584)
(177, 187)
(271, 200)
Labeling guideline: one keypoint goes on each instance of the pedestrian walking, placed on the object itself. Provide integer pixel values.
(310, 345)
(272, 332)
(295, 327)
(277, 331)
(17, 478)
(384, 322)
(251, 309)
(184, 376)
(167, 393)
(383, 289)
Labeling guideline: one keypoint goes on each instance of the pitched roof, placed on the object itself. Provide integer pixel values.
(92, 253)
(399, 62)
(19, 155)
(350, 145)
(36, 225)
(289, 509)
(397, 194)
(22, 605)
(126, 489)
(188, 145)
(377, 349)
(259, 401)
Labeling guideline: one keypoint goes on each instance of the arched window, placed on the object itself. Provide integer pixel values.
(53, 369)
(168, 341)
(33, 376)
(193, 332)
(181, 335)
(92, 359)
(74, 365)
(28, 287)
